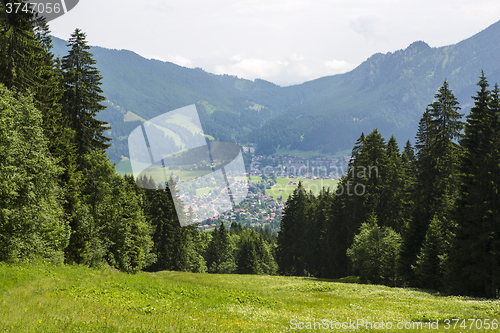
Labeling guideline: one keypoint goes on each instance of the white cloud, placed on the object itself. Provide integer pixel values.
(283, 41)
(291, 70)
(251, 68)
(153, 57)
(365, 25)
(338, 66)
(181, 61)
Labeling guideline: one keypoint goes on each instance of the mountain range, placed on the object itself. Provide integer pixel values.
(323, 116)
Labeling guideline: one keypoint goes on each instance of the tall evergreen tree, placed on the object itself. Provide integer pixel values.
(437, 176)
(316, 235)
(360, 193)
(290, 250)
(22, 56)
(219, 255)
(408, 164)
(429, 268)
(175, 247)
(111, 227)
(82, 96)
(475, 258)
(394, 193)
(28, 65)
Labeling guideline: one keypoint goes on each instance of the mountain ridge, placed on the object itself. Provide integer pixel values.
(388, 91)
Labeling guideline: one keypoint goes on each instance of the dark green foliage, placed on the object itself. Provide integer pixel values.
(82, 95)
(475, 255)
(254, 254)
(22, 56)
(111, 226)
(429, 268)
(437, 172)
(373, 184)
(176, 248)
(160, 210)
(314, 234)
(220, 252)
(290, 253)
(31, 224)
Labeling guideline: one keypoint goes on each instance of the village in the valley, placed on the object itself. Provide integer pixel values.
(261, 209)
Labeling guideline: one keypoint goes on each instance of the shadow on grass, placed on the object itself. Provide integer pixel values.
(357, 280)
(348, 279)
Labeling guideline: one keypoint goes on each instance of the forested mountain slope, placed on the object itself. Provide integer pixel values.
(388, 91)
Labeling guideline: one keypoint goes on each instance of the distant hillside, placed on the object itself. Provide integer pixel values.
(388, 91)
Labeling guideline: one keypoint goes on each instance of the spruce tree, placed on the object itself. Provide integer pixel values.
(429, 264)
(248, 259)
(437, 179)
(393, 197)
(475, 256)
(83, 95)
(290, 250)
(219, 255)
(28, 65)
(316, 233)
(408, 165)
(22, 56)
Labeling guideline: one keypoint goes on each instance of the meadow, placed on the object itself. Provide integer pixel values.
(124, 168)
(46, 298)
(282, 189)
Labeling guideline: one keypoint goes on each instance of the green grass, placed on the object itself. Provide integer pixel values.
(42, 298)
(201, 191)
(124, 167)
(315, 185)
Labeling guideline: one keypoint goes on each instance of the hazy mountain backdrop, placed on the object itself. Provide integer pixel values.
(388, 91)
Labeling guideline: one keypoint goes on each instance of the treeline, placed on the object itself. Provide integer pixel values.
(424, 217)
(60, 197)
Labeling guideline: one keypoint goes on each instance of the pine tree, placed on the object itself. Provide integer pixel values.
(408, 165)
(82, 96)
(22, 56)
(393, 196)
(219, 255)
(28, 65)
(359, 194)
(416, 228)
(316, 233)
(429, 262)
(110, 225)
(437, 180)
(356, 150)
(475, 258)
(248, 259)
(290, 250)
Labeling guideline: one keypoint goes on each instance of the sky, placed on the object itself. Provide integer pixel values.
(283, 41)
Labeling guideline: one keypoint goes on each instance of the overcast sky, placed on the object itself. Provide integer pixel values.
(282, 41)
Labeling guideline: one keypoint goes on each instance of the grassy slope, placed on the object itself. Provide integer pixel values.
(315, 185)
(41, 298)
